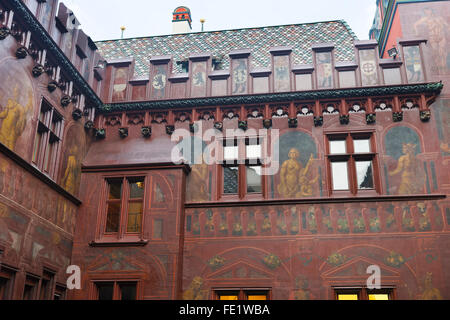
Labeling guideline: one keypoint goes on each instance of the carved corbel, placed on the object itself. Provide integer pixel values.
(146, 132)
(77, 114)
(21, 52)
(4, 32)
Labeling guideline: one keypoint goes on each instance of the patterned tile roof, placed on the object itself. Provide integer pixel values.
(219, 43)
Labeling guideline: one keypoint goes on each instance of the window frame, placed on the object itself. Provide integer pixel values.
(116, 282)
(351, 158)
(48, 140)
(241, 163)
(8, 275)
(242, 293)
(364, 292)
(122, 234)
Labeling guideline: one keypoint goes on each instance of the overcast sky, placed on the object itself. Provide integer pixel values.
(102, 19)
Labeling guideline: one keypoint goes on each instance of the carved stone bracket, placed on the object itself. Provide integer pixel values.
(425, 115)
(267, 123)
(397, 116)
(218, 125)
(52, 85)
(89, 125)
(21, 53)
(243, 125)
(77, 114)
(146, 132)
(100, 134)
(170, 129)
(4, 32)
(318, 121)
(65, 101)
(123, 132)
(344, 119)
(371, 118)
(293, 122)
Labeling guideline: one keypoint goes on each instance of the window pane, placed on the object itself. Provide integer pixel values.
(228, 297)
(137, 189)
(364, 174)
(128, 291)
(253, 151)
(37, 143)
(361, 146)
(383, 296)
(134, 217)
(105, 291)
(338, 146)
(254, 184)
(257, 297)
(348, 296)
(3, 287)
(113, 217)
(230, 180)
(115, 189)
(231, 153)
(340, 175)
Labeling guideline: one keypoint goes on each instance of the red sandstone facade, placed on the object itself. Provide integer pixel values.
(87, 176)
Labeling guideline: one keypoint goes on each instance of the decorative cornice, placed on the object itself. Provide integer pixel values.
(53, 50)
(430, 88)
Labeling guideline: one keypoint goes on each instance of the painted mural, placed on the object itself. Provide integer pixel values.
(159, 82)
(198, 187)
(281, 74)
(198, 79)
(324, 70)
(299, 175)
(74, 151)
(434, 26)
(16, 104)
(368, 63)
(120, 84)
(406, 173)
(240, 76)
(413, 64)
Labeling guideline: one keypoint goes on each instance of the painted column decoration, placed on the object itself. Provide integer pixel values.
(281, 69)
(324, 65)
(199, 66)
(160, 66)
(239, 72)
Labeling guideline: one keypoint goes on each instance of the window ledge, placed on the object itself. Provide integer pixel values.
(118, 243)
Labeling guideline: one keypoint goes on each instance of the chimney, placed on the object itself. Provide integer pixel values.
(182, 20)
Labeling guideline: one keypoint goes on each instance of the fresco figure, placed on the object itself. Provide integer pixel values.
(198, 181)
(430, 293)
(408, 166)
(436, 27)
(14, 117)
(289, 176)
(306, 180)
(69, 181)
(195, 292)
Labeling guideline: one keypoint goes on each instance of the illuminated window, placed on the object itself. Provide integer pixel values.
(242, 294)
(363, 294)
